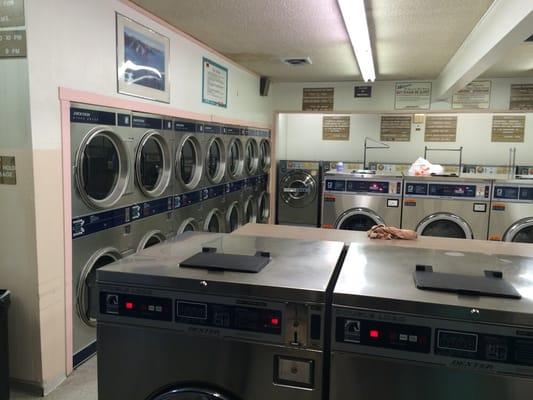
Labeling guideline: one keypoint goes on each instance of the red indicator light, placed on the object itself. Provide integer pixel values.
(129, 305)
(274, 321)
(374, 333)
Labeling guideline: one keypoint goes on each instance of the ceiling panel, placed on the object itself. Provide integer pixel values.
(518, 62)
(412, 39)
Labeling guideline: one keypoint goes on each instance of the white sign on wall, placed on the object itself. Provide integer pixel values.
(475, 95)
(215, 83)
(412, 96)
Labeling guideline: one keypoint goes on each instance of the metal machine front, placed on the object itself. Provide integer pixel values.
(511, 214)
(452, 208)
(357, 203)
(421, 357)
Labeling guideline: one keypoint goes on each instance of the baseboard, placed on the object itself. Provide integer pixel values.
(52, 384)
(36, 388)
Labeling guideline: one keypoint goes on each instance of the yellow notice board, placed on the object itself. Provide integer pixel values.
(336, 128)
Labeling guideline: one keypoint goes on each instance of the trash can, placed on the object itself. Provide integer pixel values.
(4, 353)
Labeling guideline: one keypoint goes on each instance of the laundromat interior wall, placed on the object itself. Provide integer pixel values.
(76, 50)
(299, 135)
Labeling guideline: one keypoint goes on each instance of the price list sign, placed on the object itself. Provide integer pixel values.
(395, 128)
(12, 44)
(508, 128)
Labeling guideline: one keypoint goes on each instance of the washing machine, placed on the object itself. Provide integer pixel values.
(234, 211)
(447, 207)
(511, 214)
(251, 193)
(263, 199)
(179, 330)
(189, 156)
(357, 202)
(298, 200)
(187, 215)
(97, 240)
(524, 171)
(102, 148)
(265, 151)
(150, 231)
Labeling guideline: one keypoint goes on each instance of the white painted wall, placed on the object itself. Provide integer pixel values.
(71, 43)
(302, 133)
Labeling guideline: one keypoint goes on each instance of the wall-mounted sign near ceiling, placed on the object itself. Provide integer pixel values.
(508, 128)
(318, 99)
(440, 128)
(521, 97)
(362, 91)
(412, 96)
(336, 128)
(11, 13)
(395, 128)
(474, 96)
(13, 44)
(8, 170)
(214, 83)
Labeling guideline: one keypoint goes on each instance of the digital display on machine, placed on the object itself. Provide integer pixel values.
(416, 188)
(367, 187)
(229, 317)
(452, 190)
(335, 185)
(526, 193)
(506, 192)
(457, 341)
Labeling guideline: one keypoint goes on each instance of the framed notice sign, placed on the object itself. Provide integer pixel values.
(412, 96)
(396, 128)
(8, 170)
(317, 99)
(475, 95)
(440, 128)
(521, 97)
(142, 61)
(336, 128)
(508, 128)
(11, 13)
(214, 83)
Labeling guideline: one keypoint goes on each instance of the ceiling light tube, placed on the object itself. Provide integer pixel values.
(354, 15)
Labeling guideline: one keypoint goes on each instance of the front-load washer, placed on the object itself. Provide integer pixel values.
(357, 202)
(298, 200)
(97, 240)
(189, 156)
(192, 333)
(447, 207)
(153, 156)
(263, 199)
(511, 213)
(102, 144)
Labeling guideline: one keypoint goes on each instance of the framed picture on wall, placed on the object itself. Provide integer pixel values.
(142, 61)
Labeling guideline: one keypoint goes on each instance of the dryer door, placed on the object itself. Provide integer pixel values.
(264, 155)
(263, 208)
(189, 225)
(298, 189)
(215, 160)
(358, 219)
(152, 164)
(233, 217)
(445, 225)
(189, 166)
(214, 222)
(250, 210)
(192, 393)
(520, 232)
(151, 239)
(86, 293)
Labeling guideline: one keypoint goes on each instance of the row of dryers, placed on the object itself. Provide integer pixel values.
(454, 207)
(231, 317)
(139, 179)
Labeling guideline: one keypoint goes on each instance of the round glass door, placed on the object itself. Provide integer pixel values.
(521, 232)
(153, 164)
(235, 158)
(151, 239)
(86, 293)
(233, 217)
(189, 225)
(264, 155)
(298, 189)
(214, 222)
(250, 210)
(251, 156)
(215, 160)
(191, 393)
(102, 169)
(188, 162)
(263, 208)
(358, 219)
(445, 225)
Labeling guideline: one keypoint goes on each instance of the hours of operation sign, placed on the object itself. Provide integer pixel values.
(12, 44)
(508, 128)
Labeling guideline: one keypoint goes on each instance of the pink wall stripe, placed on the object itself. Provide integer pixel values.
(172, 28)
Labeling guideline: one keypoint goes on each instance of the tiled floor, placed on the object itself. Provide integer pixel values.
(81, 385)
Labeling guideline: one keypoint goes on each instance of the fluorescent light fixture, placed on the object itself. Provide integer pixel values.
(354, 15)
